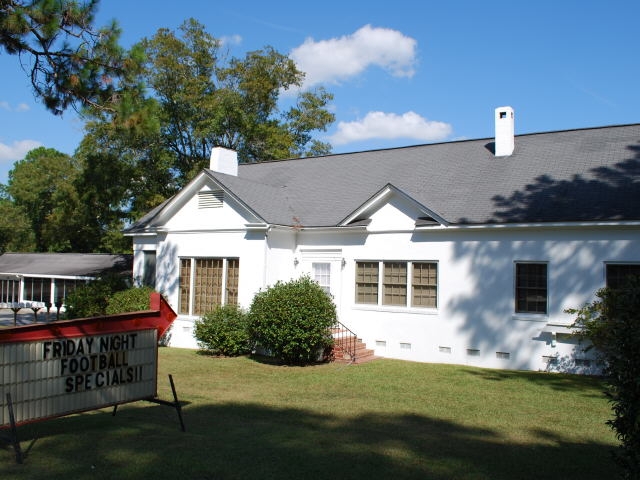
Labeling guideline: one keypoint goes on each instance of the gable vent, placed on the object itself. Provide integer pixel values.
(210, 199)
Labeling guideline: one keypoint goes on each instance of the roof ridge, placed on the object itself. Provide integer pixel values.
(449, 142)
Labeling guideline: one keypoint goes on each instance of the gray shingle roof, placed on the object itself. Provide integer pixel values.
(574, 175)
(63, 264)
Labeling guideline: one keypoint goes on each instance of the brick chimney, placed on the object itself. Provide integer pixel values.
(224, 160)
(504, 132)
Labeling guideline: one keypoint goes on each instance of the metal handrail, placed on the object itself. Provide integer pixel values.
(345, 340)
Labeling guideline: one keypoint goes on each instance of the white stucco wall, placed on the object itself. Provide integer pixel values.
(476, 279)
(476, 270)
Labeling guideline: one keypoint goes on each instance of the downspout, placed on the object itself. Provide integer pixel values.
(266, 257)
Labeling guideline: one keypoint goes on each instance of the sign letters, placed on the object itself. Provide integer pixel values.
(59, 368)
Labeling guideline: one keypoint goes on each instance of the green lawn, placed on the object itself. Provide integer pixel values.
(387, 419)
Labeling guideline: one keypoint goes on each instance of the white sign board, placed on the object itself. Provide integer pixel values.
(58, 376)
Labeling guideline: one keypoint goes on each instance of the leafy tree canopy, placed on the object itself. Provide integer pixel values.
(196, 98)
(69, 61)
(611, 323)
(42, 187)
(153, 115)
(15, 229)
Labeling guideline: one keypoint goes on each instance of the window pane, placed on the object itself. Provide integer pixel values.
(9, 290)
(37, 289)
(531, 288)
(424, 285)
(207, 288)
(617, 275)
(233, 275)
(322, 275)
(62, 288)
(367, 282)
(395, 283)
(184, 285)
(149, 269)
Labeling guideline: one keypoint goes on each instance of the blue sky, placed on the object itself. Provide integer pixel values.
(402, 72)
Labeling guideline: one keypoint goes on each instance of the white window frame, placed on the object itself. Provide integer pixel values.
(322, 277)
(192, 280)
(409, 271)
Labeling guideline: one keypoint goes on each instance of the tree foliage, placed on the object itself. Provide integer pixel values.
(190, 97)
(57, 203)
(292, 320)
(153, 115)
(612, 324)
(42, 187)
(69, 61)
(15, 229)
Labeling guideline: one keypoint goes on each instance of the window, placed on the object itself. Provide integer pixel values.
(37, 289)
(322, 275)
(149, 269)
(64, 287)
(9, 290)
(531, 288)
(185, 285)
(617, 274)
(395, 283)
(367, 282)
(205, 283)
(207, 287)
(424, 283)
(403, 284)
(233, 276)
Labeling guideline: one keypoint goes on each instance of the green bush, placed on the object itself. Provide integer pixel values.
(91, 299)
(612, 324)
(224, 331)
(292, 320)
(130, 300)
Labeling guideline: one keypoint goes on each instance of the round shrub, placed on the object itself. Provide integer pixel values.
(292, 320)
(130, 300)
(92, 298)
(224, 331)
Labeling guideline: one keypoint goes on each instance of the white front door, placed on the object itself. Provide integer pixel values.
(325, 267)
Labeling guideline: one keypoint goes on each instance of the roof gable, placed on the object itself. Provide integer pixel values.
(200, 205)
(400, 202)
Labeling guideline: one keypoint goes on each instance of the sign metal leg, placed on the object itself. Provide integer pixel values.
(13, 431)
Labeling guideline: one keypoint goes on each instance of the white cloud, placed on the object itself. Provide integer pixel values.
(336, 59)
(17, 150)
(21, 107)
(231, 40)
(381, 125)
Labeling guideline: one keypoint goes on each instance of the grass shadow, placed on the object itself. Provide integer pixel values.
(583, 385)
(239, 441)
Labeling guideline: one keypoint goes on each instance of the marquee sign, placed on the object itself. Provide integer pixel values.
(59, 368)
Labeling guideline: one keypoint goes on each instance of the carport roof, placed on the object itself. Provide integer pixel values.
(63, 264)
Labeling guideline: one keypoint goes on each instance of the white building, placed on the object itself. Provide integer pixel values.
(435, 253)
